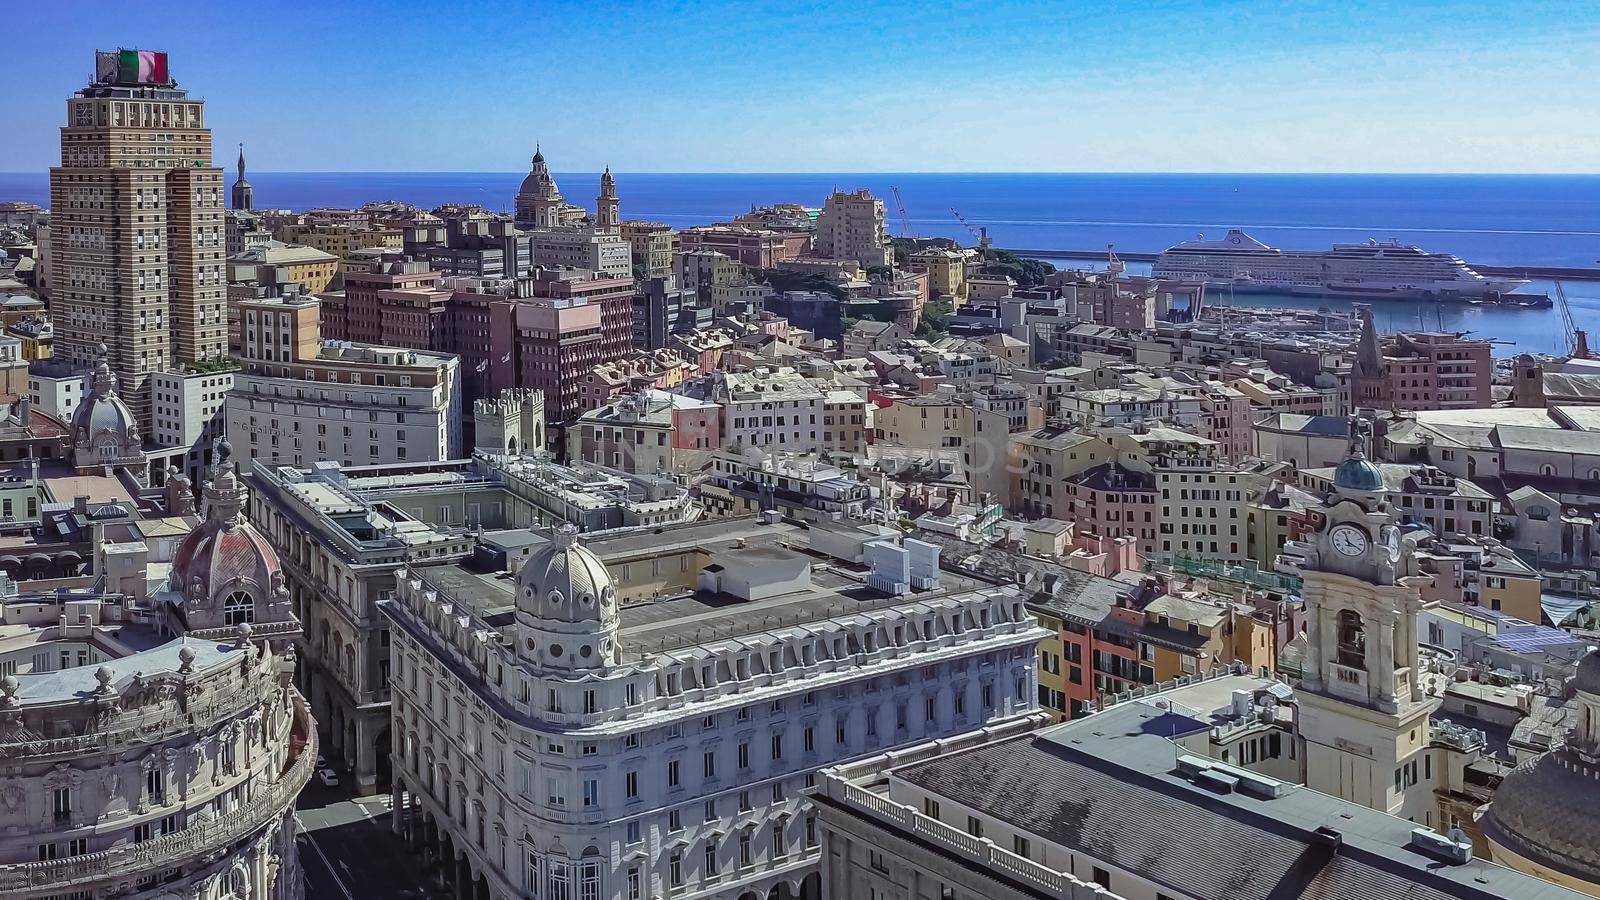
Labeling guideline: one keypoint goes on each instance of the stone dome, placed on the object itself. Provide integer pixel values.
(1545, 811)
(538, 183)
(104, 431)
(1357, 474)
(1588, 676)
(225, 570)
(565, 582)
(566, 605)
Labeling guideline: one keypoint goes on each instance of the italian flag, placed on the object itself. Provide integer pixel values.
(143, 66)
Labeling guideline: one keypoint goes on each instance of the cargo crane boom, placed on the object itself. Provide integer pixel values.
(980, 234)
(905, 220)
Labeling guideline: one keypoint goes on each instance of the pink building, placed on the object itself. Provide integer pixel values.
(1112, 501)
(754, 247)
(1420, 370)
(647, 432)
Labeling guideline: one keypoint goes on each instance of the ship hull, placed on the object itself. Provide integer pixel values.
(1397, 295)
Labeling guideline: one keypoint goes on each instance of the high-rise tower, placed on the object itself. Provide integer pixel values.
(137, 231)
(244, 196)
(607, 215)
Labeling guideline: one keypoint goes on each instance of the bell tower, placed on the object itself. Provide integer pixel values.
(1364, 711)
(607, 216)
(244, 196)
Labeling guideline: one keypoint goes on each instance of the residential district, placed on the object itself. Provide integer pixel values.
(566, 556)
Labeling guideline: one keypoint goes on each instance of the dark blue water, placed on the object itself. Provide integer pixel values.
(1496, 219)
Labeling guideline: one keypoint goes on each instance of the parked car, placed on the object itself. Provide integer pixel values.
(329, 777)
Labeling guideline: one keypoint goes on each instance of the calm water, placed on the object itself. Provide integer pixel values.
(1526, 220)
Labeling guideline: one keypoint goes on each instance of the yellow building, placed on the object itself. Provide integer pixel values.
(314, 270)
(37, 336)
(1509, 585)
(946, 270)
(340, 240)
(653, 245)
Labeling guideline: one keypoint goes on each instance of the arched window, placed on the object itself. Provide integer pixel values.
(1548, 471)
(1352, 640)
(238, 608)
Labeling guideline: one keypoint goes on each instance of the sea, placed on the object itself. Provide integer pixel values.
(1533, 220)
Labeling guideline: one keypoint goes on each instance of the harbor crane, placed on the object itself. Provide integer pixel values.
(905, 220)
(980, 234)
(1114, 266)
(1577, 338)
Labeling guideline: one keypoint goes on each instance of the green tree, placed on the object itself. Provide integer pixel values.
(935, 318)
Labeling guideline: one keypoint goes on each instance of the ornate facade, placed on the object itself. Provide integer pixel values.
(141, 757)
(555, 740)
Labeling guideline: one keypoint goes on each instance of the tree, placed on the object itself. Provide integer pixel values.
(935, 318)
(875, 272)
(1026, 272)
(785, 280)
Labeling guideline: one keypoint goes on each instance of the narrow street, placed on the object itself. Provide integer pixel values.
(348, 852)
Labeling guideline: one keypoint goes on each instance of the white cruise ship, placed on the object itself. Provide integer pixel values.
(1374, 270)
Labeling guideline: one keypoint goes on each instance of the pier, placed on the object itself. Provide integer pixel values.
(1548, 273)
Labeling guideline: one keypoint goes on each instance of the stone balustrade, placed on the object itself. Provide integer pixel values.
(130, 860)
(156, 726)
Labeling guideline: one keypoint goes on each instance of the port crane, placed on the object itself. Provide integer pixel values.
(1114, 266)
(1577, 338)
(905, 220)
(979, 233)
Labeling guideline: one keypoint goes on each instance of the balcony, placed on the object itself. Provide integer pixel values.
(131, 860)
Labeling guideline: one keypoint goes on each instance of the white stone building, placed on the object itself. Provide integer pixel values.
(186, 413)
(582, 247)
(56, 387)
(356, 404)
(555, 740)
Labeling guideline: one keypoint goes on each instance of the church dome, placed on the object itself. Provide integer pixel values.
(1544, 811)
(1356, 474)
(104, 431)
(1588, 676)
(538, 183)
(225, 570)
(566, 604)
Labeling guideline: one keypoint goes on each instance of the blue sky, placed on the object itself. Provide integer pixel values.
(849, 86)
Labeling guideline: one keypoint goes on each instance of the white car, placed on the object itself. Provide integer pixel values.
(322, 761)
(329, 777)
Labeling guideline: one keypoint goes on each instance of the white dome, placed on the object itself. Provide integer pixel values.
(566, 605)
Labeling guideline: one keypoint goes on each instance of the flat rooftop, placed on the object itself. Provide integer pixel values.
(687, 620)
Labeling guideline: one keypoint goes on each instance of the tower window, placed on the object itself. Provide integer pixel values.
(1352, 640)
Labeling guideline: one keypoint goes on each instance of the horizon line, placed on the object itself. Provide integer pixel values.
(876, 172)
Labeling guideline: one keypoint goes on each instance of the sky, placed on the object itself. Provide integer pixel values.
(847, 85)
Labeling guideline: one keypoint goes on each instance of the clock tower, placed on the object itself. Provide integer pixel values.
(1364, 712)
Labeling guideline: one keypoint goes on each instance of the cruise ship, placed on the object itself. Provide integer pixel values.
(1377, 270)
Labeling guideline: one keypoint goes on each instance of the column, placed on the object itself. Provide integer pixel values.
(397, 800)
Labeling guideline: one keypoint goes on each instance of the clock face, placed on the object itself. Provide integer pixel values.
(1349, 540)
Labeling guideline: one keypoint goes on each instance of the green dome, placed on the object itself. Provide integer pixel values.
(1356, 474)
